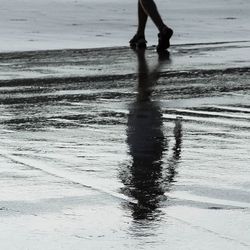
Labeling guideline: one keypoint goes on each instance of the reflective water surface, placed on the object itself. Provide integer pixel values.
(143, 151)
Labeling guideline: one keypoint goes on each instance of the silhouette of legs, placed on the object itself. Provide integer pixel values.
(151, 10)
(142, 20)
(147, 8)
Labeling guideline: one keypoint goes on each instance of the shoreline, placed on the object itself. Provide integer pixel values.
(176, 45)
(114, 61)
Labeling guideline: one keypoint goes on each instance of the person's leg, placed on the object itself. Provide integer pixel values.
(142, 20)
(139, 38)
(150, 8)
(165, 32)
(138, 41)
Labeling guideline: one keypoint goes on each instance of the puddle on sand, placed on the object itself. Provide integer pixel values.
(145, 143)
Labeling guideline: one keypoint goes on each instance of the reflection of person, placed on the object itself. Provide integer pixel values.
(148, 8)
(145, 179)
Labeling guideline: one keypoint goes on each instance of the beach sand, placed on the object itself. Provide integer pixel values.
(110, 148)
(58, 24)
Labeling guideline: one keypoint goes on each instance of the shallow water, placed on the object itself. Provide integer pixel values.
(129, 150)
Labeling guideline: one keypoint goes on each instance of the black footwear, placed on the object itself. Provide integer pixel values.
(138, 42)
(163, 39)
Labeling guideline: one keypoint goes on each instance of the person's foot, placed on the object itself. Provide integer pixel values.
(138, 41)
(163, 39)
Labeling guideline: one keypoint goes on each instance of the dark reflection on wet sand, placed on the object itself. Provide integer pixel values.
(147, 177)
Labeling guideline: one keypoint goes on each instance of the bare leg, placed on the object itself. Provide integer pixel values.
(165, 33)
(138, 41)
(150, 8)
(142, 20)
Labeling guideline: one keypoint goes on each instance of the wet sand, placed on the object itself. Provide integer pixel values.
(59, 24)
(116, 149)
